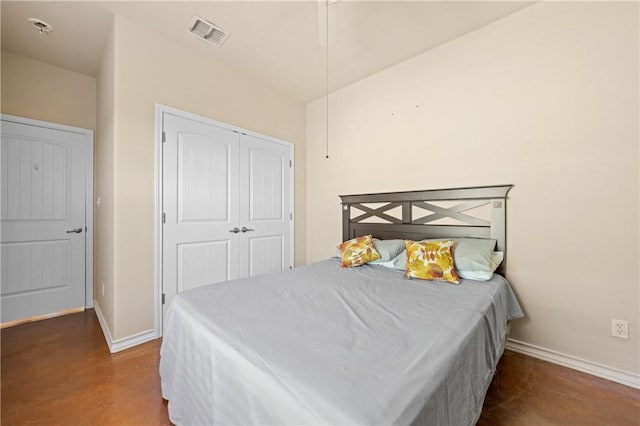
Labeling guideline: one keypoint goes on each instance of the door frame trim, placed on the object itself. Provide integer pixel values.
(88, 207)
(160, 110)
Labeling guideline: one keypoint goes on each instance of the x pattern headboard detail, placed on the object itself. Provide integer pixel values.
(434, 220)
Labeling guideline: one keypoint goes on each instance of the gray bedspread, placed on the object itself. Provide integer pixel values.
(324, 345)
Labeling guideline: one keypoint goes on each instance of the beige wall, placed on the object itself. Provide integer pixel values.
(41, 91)
(104, 175)
(546, 99)
(150, 69)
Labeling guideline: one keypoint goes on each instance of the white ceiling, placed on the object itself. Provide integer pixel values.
(274, 42)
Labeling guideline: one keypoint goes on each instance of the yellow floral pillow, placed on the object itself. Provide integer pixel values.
(358, 251)
(431, 260)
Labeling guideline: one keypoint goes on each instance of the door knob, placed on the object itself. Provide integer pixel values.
(245, 229)
(235, 230)
(76, 230)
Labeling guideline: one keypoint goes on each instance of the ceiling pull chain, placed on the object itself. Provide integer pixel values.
(327, 83)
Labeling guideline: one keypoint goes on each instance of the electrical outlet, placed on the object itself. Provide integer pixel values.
(620, 328)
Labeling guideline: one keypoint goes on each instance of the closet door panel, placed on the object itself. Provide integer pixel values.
(265, 205)
(266, 185)
(203, 179)
(200, 205)
(266, 254)
(203, 263)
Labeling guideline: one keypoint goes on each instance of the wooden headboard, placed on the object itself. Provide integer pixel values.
(435, 213)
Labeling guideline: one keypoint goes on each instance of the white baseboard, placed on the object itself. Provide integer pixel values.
(126, 342)
(589, 367)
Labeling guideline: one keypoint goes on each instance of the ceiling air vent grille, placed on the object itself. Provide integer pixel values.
(205, 30)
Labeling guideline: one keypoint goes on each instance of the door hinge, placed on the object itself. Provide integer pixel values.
(164, 137)
(290, 216)
(290, 163)
(163, 298)
(164, 217)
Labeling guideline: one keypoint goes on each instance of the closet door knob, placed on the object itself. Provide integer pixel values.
(245, 229)
(235, 230)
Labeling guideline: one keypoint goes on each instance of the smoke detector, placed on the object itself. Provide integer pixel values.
(40, 25)
(207, 31)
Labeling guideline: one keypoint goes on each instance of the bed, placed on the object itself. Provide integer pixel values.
(323, 344)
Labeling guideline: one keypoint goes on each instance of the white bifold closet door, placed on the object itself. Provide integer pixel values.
(226, 204)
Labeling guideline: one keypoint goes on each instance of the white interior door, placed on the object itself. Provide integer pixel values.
(265, 206)
(200, 197)
(44, 174)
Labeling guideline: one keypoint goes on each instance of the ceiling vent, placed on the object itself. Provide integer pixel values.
(40, 25)
(207, 31)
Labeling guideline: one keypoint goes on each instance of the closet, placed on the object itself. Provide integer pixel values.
(227, 207)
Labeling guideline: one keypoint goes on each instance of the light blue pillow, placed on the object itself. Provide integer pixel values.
(388, 249)
(473, 257)
(496, 259)
(400, 261)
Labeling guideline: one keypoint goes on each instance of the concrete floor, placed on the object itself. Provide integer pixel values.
(60, 371)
